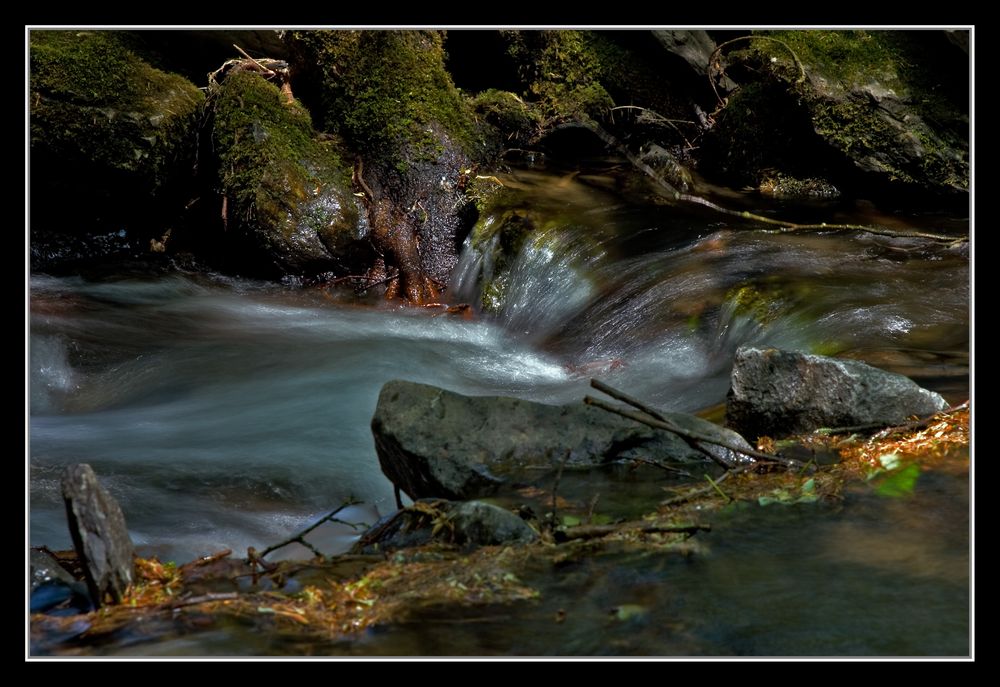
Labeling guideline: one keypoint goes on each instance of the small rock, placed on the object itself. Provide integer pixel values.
(99, 534)
(467, 523)
(483, 524)
(52, 584)
(776, 393)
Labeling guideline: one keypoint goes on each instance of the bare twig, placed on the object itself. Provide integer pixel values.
(720, 46)
(662, 466)
(651, 417)
(246, 55)
(715, 485)
(889, 427)
(299, 536)
(783, 226)
(695, 493)
(659, 119)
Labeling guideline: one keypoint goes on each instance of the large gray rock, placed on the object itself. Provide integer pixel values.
(466, 523)
(436, 443)
(100, 536)
(776, 393)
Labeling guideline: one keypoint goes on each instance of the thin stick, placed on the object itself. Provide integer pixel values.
(676, 500)
(715, 485)
(244, 53)
(657, 117)
(720, 46)
(784, 226)
(921, 422)
(646, 419)
(662, 466)
(652, 412)
(298, 537)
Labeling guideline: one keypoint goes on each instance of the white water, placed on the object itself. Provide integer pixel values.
(224, 413)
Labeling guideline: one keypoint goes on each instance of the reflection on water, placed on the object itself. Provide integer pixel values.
(226, 413)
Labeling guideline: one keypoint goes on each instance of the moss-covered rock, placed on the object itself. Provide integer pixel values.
(578, 74)
(389, 95)
(288, 199)
(888, 104)
(111, 135)
(514, 121)
(381, 89)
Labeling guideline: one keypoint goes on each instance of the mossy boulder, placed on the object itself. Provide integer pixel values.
(889, 107)
(289, 207)
(578, 74)
(113, 138)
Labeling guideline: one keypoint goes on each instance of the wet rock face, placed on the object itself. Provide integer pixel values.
(467, 523)
(436, 443)
(52, 585)
(882, 107)
(289, 207)
(100, 536)
(776, 393)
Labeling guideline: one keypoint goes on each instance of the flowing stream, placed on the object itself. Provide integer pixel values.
(224, 413)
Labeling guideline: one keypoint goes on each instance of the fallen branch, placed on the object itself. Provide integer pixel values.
(597, 531)
(662, 466)
(299, 537)
(654, 419)
(657, 118)
(890, 428)
(783, 226)
(695, 493)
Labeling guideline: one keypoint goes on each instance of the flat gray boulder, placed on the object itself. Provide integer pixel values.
(433, 443)
(100, 536)
(776, 393)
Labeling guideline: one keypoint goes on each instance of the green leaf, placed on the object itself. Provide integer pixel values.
(570, 521)
(809, 486)
(629, 611)
(899, 483)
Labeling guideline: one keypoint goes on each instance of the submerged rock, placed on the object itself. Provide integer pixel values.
(52, 584)
(776, 393)
(467, 523)
(100, 537)
(436, 443)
